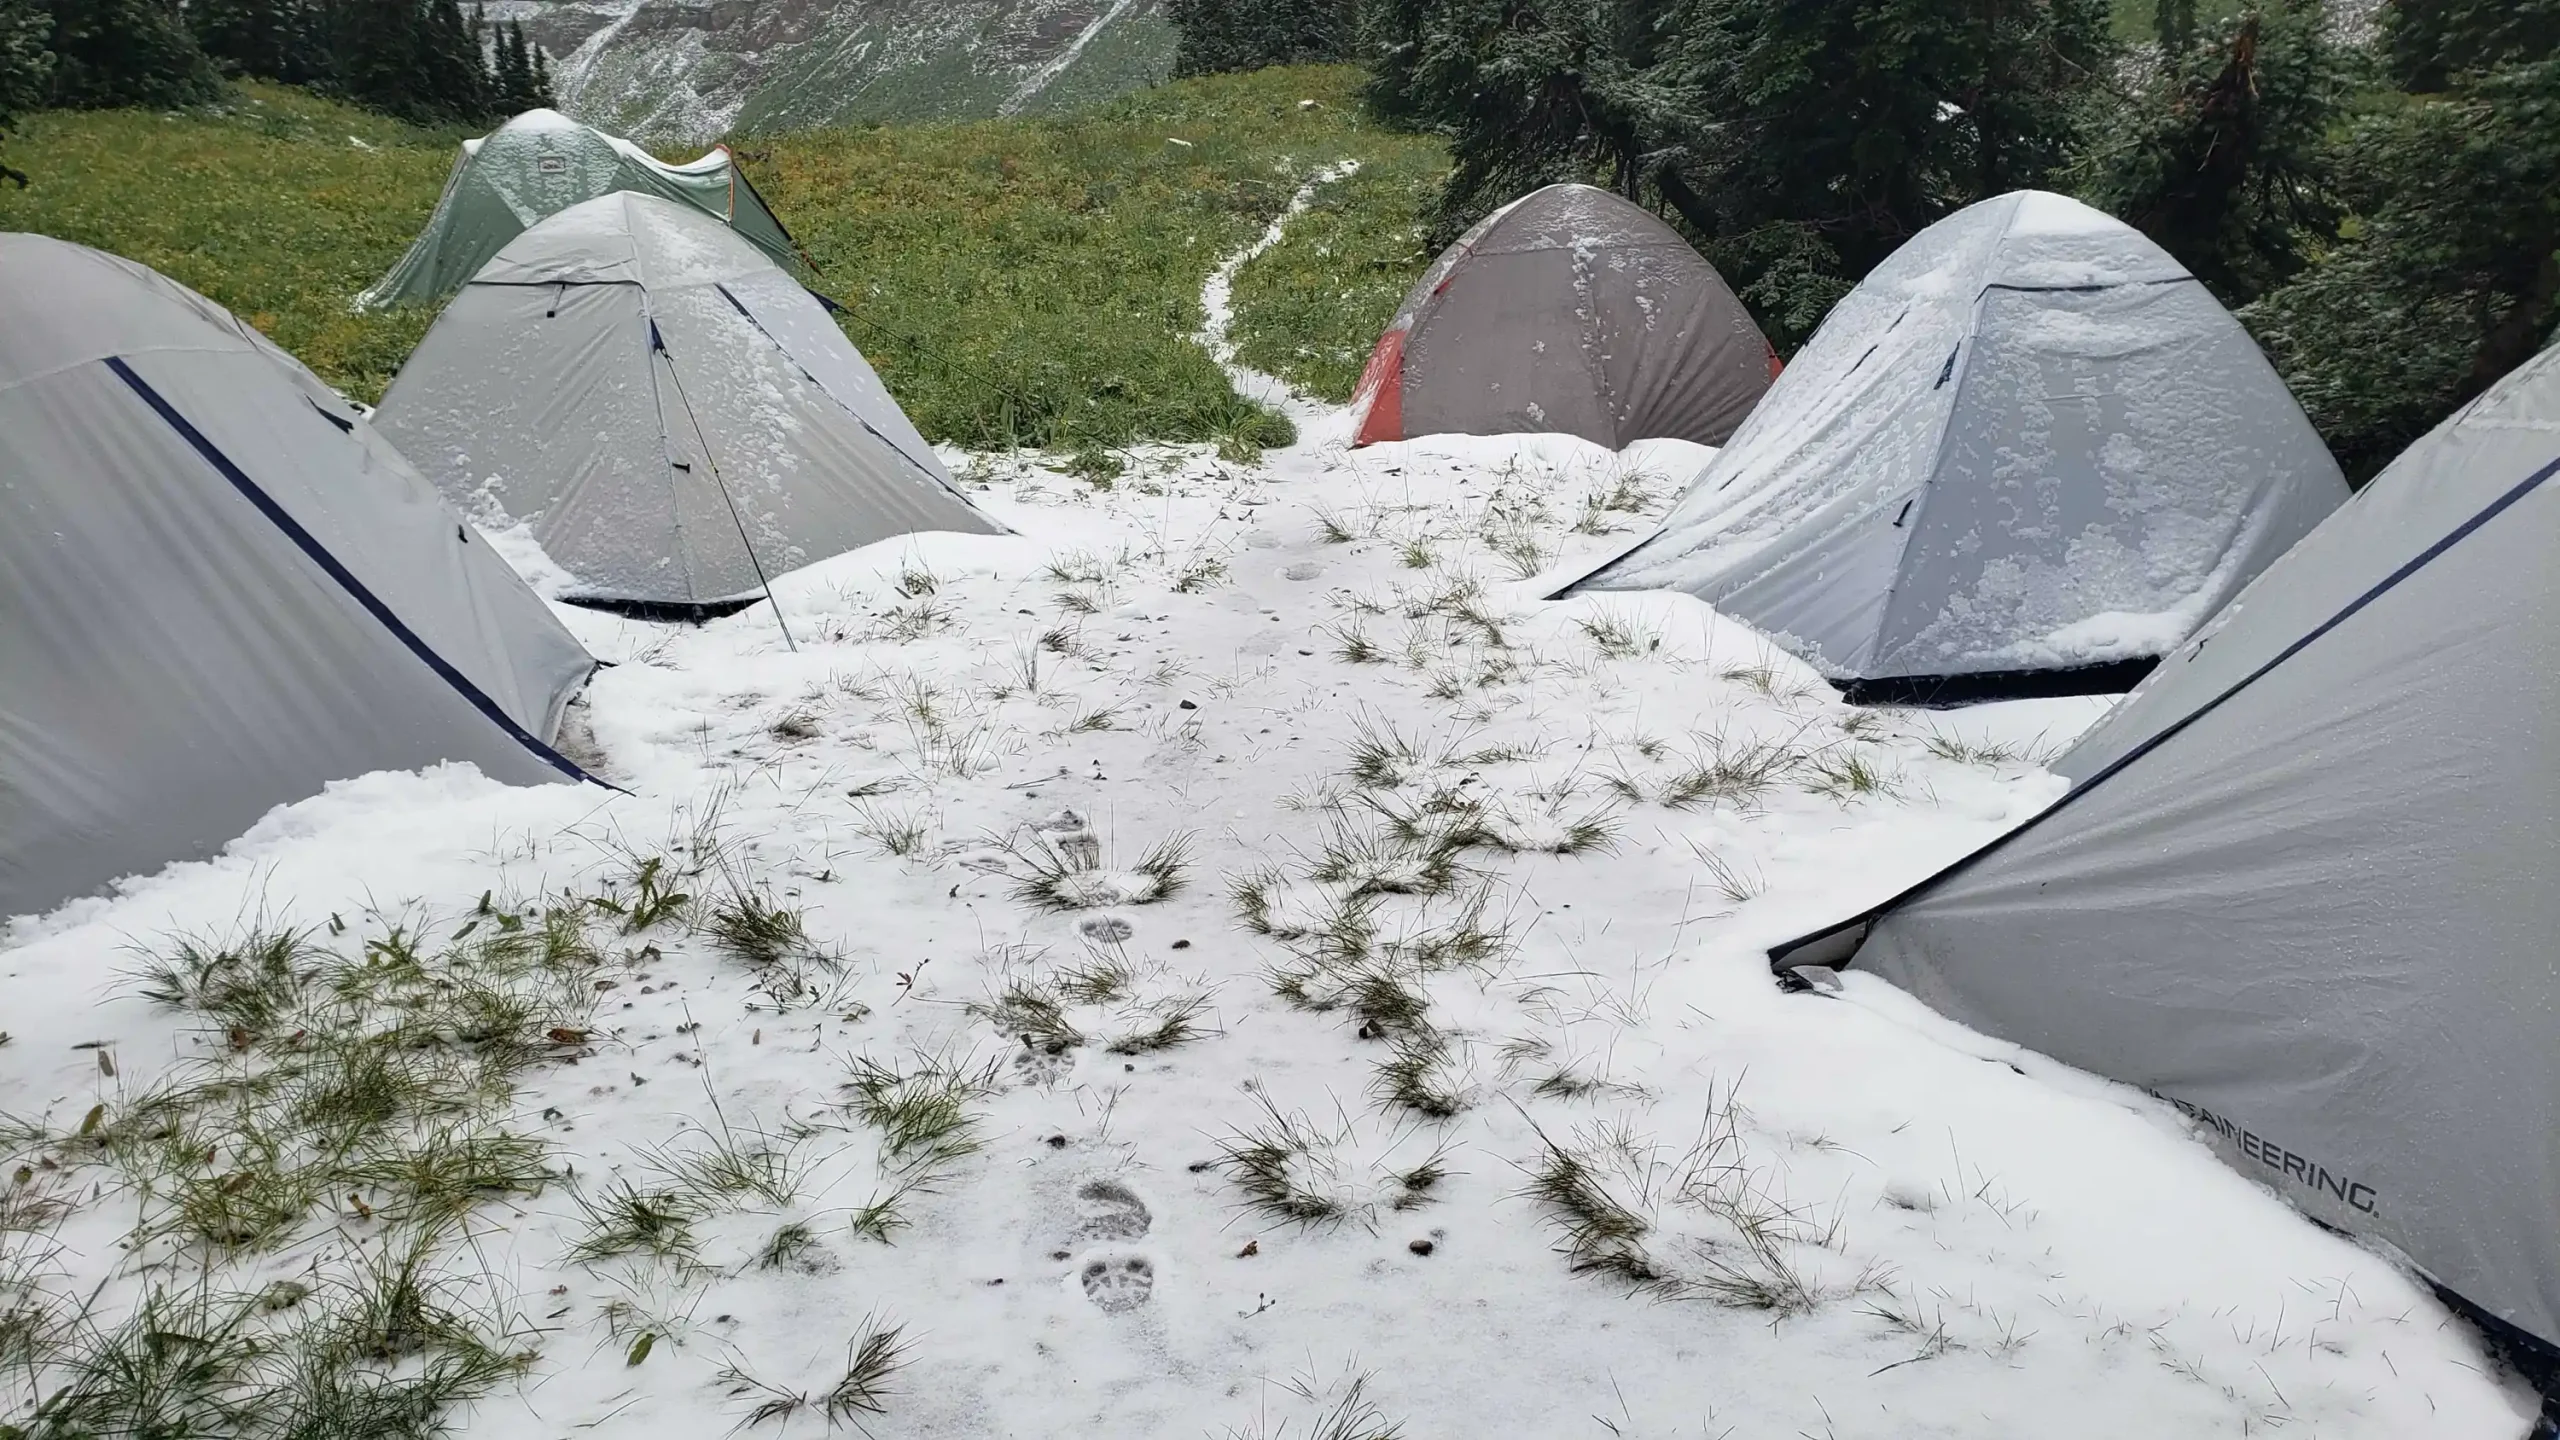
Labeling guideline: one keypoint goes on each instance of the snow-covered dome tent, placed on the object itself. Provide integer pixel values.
(1568, 311)
(2301, 886)
(675, 418)
(539, 164)
(220, 590)
(2029, 454)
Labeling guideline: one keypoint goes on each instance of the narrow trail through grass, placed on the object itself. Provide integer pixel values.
(1027, 281)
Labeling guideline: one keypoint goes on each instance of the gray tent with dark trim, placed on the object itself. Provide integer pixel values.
(220, 590)
(2030, 453)
(2307, 882)
(675, 418)
(1569, 311)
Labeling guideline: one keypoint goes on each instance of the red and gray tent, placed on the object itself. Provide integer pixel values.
(1570, 311)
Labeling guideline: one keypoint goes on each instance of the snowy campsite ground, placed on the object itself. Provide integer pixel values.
(1230, 959)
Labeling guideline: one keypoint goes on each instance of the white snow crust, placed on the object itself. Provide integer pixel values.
(1991, 1245)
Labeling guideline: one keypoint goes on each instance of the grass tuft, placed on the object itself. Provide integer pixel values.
(922, 1113)
(625, 1220)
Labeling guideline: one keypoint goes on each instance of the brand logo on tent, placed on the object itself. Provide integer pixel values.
(2358, 1195)
(552, 164)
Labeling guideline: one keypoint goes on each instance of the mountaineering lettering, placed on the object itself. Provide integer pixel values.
(2302, 1169)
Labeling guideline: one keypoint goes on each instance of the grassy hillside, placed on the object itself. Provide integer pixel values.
(278, 205)
(1031, 279)
(1309, 308)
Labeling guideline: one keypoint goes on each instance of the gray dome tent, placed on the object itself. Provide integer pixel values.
(2303, 884)
(1572, 311)
(539, 164)
(222, 589)
(2029, 454)
(675, 418)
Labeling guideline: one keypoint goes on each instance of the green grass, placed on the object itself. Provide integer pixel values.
(1309, 308)
(1038, 279)
(268, 205)
(1032, 280)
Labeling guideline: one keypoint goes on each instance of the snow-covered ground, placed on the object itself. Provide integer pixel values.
(1304, 727)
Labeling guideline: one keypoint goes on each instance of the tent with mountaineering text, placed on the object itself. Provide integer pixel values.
(1570, 311)
(2029, 454)
(674, 418)
(539, 164)
(2302, 885)
(222, 590)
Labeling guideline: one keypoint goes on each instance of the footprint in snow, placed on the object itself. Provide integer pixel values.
(1039, 1065)
(1105, 929)
(1119, 1283)
(1303, 570)
(1111, 1211)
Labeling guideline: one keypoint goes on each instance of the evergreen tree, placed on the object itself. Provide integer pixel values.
(514, 83)
(1220, 35)
(417, 59)
(126, 52)
(2223, 156)
(374, 48)
(270, 39)
(1529, 95)
(26, 67)
(2450, 276)
(454, 70)
(539, 97)
(1801, 141)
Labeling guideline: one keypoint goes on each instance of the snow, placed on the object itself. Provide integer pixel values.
(1056, 65)
(1979, 1242)
(2041, 212)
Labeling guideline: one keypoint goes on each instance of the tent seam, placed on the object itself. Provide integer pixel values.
(2514, 495)
(346, 579)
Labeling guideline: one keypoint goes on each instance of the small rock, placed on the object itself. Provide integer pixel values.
(1056, 1142)
(1187, 705)
(1420, 1247)
(1181, 944)
(1251, 1249)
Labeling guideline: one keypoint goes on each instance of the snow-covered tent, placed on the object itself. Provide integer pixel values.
(2302, 885)
(539, 164)
(2028, 455)
(675, 418)
(1568, 311)
(220, 590)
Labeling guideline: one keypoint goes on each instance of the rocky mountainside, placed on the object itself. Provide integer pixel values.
(677, 72)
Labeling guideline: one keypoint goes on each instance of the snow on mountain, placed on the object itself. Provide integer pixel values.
(677, 72)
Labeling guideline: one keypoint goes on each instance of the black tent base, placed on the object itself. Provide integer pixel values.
(2534, 1360)
(692, 612)
(1942, 692)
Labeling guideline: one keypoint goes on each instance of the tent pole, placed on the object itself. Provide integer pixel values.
(725, 497)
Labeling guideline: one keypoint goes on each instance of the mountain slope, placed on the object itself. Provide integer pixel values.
(684, 72)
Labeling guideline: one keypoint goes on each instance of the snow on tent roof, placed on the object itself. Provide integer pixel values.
(223, 589)
(675, 418)
(541, 163)
(2028, 454)
(2302, 884)
(1570, 311)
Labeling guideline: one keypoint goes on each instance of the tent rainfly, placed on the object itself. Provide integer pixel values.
(2302, 883)
(675, 418)
(539, 164)
(1568, 310)
(223, 590)
(2029, 454)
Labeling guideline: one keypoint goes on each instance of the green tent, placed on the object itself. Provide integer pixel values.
(541, 163)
